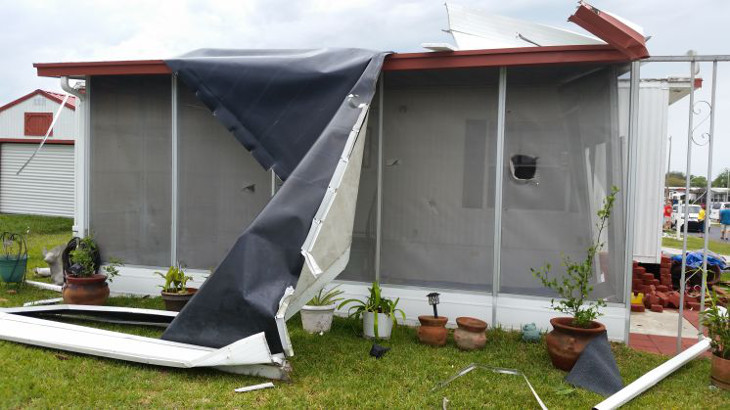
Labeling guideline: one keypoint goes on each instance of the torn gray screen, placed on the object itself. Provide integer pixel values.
(290, 108)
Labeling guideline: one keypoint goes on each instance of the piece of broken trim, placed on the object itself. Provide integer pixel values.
(254, 387)
(52, 301)
(499, 370)
(43, 285)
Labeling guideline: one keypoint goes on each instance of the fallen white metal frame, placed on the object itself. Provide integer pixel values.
(326, 249)
(249, 356)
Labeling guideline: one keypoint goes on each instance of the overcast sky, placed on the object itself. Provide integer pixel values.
(77, 30)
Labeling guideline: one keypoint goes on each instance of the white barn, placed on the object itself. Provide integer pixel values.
(46, 185)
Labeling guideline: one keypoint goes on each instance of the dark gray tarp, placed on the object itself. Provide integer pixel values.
(596, 368)
(291, 109)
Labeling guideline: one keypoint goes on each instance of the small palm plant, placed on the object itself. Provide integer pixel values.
(375, 304)
(175, 280)
(326, 298)
(575, 288)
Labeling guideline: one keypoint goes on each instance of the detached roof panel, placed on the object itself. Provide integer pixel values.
(474, 30)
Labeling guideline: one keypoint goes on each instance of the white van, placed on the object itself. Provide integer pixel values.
(715, 211)
(694, 215)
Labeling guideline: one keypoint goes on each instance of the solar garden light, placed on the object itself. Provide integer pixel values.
(433, 300)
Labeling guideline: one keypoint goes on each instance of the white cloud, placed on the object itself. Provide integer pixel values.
(86, 30)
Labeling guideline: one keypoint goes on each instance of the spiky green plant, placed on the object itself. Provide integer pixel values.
(375, 303)
(326, 298)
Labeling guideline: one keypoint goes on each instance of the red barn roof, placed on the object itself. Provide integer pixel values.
(51, 95)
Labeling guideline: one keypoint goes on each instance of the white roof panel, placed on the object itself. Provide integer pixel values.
(474, 29)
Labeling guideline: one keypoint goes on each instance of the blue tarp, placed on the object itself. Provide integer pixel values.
(694, 260)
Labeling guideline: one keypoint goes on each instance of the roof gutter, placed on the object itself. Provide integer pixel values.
(73, 91)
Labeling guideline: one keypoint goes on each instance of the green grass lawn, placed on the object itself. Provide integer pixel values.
(695, 243)
(39, 231)
(330, 371)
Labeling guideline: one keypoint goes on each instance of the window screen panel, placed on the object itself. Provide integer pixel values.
(567, 118)
(361, 266)
(130, 199)
(438, 178)
(221, 187)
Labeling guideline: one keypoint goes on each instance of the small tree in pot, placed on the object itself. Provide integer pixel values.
(571, 334)
(377, 312)
(317, 313)
(175, 292)
(717, 321)
(81, 263)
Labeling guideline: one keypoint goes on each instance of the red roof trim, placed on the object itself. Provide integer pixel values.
(394, 62)
(35, 141)
(51, 96)
(611, 30)
(504, 57)
(102, 68)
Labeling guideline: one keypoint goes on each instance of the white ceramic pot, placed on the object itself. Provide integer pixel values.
(385, 325)
(317, 319)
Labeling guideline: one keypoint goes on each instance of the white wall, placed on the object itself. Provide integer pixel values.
(651, 165)
(12, 120)
(46, 185)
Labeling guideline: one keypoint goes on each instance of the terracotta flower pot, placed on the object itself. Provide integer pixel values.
(566, 342)
(470, 334)
(174, 301)
(433, 330)
(92, 290)
(720, 373)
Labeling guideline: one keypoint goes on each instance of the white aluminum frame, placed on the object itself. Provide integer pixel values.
(249, 356)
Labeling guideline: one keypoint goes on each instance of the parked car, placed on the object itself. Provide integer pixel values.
(715, 211)
(678, 218)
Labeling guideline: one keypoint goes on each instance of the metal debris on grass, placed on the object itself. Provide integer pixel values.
(499, 370)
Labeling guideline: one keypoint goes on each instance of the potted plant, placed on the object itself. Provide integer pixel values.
(317, 313)
(571, 334)
(81, 263)
(717, 321)
(14, 257)
(175, 292)
(377, 312)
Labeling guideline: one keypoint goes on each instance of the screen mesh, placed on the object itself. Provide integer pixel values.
(130, 201)
(566, 118)
(221, 187)
(438, 178)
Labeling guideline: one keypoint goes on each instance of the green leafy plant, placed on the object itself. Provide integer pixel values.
(326, 298)
(375, 303)
(717, 322)
(574, 288)
(175, 280)
(85, 255)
